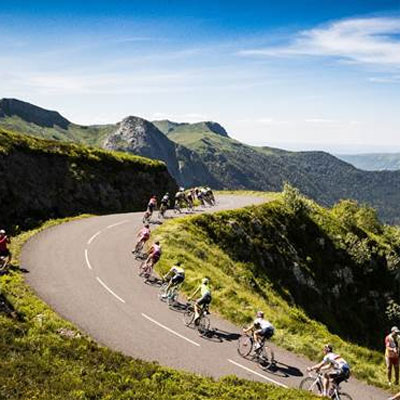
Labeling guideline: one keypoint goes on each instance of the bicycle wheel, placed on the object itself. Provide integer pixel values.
(188, 316)
(162, 295)
(311, 385)
(266, 358)
(171, 299)
(344, 396)
(142, 268)
(245, 345)
(204, 325)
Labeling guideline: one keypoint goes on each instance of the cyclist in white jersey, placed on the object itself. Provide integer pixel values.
(261, 329)
(178, 276)
(340, 369)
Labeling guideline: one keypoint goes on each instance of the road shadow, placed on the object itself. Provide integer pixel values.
(282, 370)
(153, 281)
(178, 306)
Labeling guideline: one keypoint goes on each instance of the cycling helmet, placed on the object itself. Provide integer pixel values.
(181, 189)
(395, 329)
(328, 348)
(205, 281)
(2, 232)
(260, 314)
(167, 194)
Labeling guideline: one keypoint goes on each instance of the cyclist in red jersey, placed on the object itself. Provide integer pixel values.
(152, 259)
(143, 235)
(4, 251)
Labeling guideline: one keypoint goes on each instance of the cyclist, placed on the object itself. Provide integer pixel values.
(4, 251)
(177, 274)
(200, 196)
(210, 195)
(164, 204)
(150, 208)
(341, 369)
(152, 258)
(143, 235)
(262, 329)
(180, 198)
(205, 299)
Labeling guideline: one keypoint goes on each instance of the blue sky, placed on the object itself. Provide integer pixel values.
(295, 74)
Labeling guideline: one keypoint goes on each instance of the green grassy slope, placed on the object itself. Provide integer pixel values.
(320, 275)
(90, 135)
(44, 357)
(43, 178)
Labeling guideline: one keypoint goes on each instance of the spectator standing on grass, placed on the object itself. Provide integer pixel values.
(392, 355)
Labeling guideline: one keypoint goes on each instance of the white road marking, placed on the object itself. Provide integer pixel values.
(92, 238)
(170, 330)
(259, 375)
(118, 223)
(109, 290)
(87, 259)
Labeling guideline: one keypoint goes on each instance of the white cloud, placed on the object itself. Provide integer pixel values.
(372, 41)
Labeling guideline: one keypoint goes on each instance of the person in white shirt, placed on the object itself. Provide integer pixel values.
(262, 329)
(340, 369)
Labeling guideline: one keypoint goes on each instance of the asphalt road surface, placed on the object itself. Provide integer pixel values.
(85, 271)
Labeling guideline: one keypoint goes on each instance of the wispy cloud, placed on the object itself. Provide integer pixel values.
(372, 41)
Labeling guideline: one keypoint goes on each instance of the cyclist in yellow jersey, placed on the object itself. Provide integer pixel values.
(205, 298)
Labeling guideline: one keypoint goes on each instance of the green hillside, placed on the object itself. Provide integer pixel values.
(41, 179)
(90, 135)
(203, 154)
(321, 275)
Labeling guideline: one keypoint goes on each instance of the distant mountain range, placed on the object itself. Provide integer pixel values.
(203, 153)
(373, 161)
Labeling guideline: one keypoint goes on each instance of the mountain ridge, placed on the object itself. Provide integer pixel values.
(197, 155)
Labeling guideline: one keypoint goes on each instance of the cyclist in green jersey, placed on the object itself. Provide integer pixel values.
(205, 298)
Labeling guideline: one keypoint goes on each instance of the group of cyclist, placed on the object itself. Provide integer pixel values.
(333, 367)
(182, 199)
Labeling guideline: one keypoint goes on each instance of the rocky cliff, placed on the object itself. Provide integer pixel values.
(138, 136)
(42, 179)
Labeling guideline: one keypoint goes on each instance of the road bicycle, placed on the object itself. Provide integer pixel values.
(138, 250)
(170, 296)
(203, 321)
(3, 263)
(263, 355)
(314, 384)
(146, 268)
(162, 211)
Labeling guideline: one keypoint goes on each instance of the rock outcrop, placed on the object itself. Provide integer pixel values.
(138, 136)
(41, 179)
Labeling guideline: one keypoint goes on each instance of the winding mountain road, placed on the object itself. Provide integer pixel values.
(85, 271)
